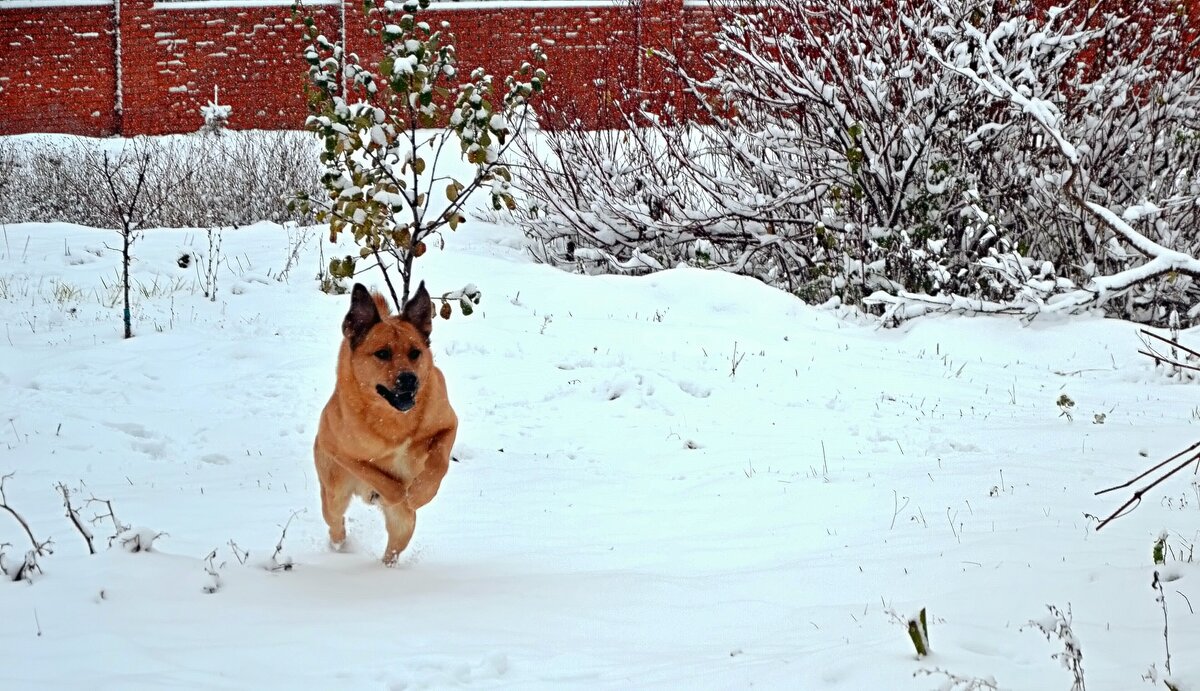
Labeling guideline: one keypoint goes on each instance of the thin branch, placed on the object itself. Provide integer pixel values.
(118, 527)
(286, 564)
(75, 518)
(41, 548)
(1136, 499)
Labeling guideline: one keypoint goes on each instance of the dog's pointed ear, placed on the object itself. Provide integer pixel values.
(419, 311)
(362, 316)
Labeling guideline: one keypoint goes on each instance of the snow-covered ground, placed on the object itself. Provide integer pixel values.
(627, 510)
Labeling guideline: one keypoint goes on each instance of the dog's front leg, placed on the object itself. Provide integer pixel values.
(390, 489)
(401, 520)
(425, 486)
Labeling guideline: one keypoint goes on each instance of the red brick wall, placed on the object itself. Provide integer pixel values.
(57, 70)
(57, 65)
(591, 51)
(173, 58)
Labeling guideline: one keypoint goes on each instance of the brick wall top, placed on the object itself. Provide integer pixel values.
(59, 67)
(29, 4)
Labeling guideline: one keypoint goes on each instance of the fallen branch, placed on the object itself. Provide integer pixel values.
(905, 305)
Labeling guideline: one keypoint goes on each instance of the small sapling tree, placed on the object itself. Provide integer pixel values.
(384, 122)
(126, 189)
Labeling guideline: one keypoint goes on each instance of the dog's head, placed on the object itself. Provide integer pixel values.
(388, 354)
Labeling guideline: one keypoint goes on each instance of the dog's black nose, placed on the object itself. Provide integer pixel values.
(407, 382)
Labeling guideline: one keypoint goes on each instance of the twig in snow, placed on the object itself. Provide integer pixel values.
(1162, 601)
(1187, 600)
(118, 527)
(896, 508)
(238, 553)
(734, 361)
(286, 564)
(75, 518)
(1059, 626)
(210, 568)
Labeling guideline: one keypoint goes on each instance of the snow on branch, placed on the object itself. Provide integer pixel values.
(912, 158)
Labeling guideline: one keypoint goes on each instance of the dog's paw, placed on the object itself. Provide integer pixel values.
(338, 541)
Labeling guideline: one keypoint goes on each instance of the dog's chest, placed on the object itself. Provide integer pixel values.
(401, 463)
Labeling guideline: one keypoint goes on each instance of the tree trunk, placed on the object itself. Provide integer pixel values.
(127, 237)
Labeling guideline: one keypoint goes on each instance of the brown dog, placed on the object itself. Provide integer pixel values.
(387, 431)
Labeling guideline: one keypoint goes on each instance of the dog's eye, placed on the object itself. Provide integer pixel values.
(413, 354)
(384, 353)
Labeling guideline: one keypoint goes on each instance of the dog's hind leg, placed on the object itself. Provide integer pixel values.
(401, 521)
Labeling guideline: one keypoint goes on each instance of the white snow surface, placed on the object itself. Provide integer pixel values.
(625, 512)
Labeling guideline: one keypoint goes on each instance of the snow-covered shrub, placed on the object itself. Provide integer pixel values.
(380, 168)
(139, 539)
(1110, 101)
(842, 152)
(242, 178)
(215, 114)
(248, 177)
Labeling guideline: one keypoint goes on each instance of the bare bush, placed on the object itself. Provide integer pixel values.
(242, 177)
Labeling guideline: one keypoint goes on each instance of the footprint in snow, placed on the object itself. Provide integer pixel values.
(215, 459)
(133, 429)
(694, 389)
(616, 388)
(423, 674)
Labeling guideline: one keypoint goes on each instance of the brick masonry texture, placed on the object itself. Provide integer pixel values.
(59, 64)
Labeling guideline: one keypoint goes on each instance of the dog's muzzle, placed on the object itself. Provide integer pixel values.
(404, 395)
